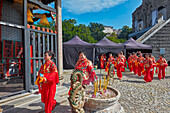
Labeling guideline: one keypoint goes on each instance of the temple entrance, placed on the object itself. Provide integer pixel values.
(11, 48)
(22, 49)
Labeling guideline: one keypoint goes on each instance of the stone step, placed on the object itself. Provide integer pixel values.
(61, 99)
(19, 102)
(35, 106)
(63, 108)
(22, 102)
(5, 100)
(61, 92)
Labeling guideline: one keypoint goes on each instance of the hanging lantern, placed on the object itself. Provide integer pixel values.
(29, 16)
(44, 20)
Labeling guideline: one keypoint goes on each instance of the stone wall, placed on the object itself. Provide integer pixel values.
(161, 39)
(12, 13)
(144, 12)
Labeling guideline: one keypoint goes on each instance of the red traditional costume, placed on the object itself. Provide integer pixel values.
(48, 88)
(120, 64)
(102, 61)
(153, 66)
(124, 59)
(87, 67)
(130, 63)
(110, 61)
(140, 65)
(135, 64)
(161, 64)
(147, 66)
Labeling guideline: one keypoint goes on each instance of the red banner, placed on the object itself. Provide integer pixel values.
(18, 49)
(8, 49)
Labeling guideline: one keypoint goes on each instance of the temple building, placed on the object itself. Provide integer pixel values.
(151, 24)
(22, 43)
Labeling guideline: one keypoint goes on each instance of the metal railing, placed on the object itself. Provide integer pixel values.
(149, 31)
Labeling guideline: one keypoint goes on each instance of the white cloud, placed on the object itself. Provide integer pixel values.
(84, 6)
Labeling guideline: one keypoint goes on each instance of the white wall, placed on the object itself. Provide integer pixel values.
(154, 17)
(108, 30)
(163, 13)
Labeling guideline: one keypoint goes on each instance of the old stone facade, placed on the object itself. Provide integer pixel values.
(151, 24)
(150, 13)
(160, 40)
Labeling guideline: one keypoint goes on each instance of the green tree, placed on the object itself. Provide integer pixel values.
(97, 31)
(84, 33)
(125, 32)
(113, 38)
(116, 40)
(68, 29)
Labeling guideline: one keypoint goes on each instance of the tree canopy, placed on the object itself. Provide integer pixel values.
(97, 31)
(113, 38)
(91, 33)
(125, 32)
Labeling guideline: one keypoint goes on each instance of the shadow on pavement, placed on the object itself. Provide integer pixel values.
(133, 81)
(133, 76)
(19, 110)
(66, 84)
(62, 109)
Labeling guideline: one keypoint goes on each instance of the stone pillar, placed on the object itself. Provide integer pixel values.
(59, 37)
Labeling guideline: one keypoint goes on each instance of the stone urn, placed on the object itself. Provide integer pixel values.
(109, 105)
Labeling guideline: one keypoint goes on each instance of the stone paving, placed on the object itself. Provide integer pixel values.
(140, 97)
(136, 95)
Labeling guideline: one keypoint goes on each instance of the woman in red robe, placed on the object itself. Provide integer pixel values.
(147, 65)
(47, 80)
(120, 64)
(161, 64)
(110, 61)
(135, 64)
(153, 66)
(124, 59)
(130, 62)
(140, 64)
(123, 56)
(102, 61)
(87, 67)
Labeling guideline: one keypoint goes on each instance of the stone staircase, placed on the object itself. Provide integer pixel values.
(154, 28)
(31, 102)
(158, 37)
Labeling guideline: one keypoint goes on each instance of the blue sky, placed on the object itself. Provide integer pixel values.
(116, 13)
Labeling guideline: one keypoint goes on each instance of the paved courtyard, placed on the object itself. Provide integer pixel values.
(140, 97)
(136, 95)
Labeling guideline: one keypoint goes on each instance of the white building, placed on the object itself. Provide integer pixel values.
(109, 30)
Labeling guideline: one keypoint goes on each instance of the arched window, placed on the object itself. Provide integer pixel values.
(160, 8)
(140, 24)
(162, 14)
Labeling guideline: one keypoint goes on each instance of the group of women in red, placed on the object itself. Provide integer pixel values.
(146, 66)
(139, 64)
(119, 63)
